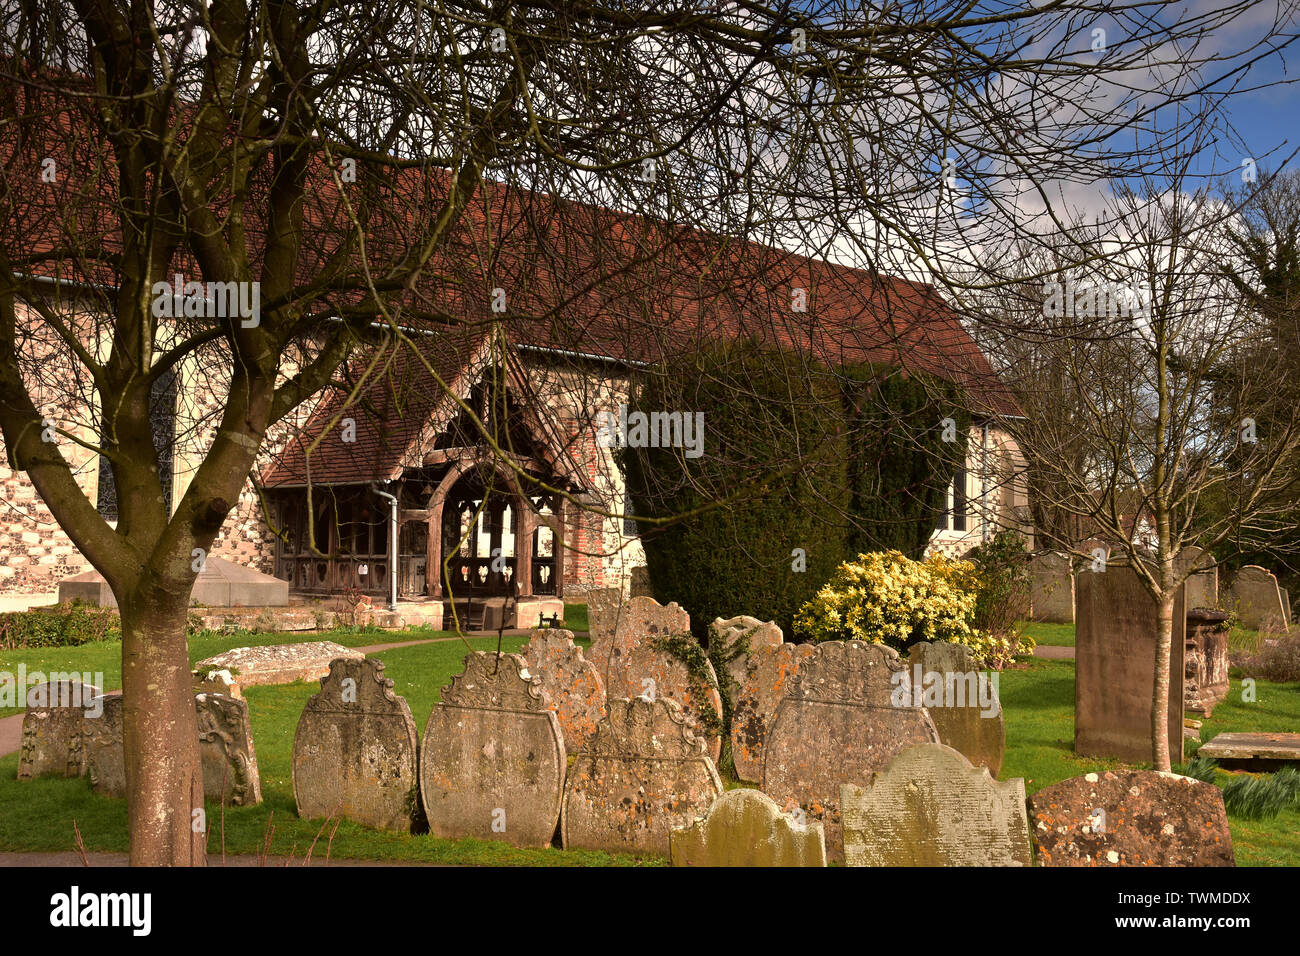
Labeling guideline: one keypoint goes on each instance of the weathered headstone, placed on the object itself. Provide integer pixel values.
(632, 665)
(639, 582)
(847, 714)
(54, 729)
(1258, 599)
(604, 606)
(647, 773)
(1202, 583)
(747, 828)
(769, 670)
(1051, 582)
(1131, 818)
(1114, 667)
(492, 759)
(735, 629)
(961, 700)
(105, 760)
(1206, 682)
(571, 685)
(355, 753)
(932, 807)
(230, 773)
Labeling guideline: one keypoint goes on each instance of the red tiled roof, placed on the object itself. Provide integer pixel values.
(388, 411)
(577, 277)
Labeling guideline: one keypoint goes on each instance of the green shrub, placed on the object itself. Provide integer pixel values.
(756, 523)
(1002, 585)
(63, 625)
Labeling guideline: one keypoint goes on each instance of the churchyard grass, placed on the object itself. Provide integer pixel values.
(1054, 635)
(575, 617)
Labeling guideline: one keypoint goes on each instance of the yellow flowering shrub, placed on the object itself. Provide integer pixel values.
(884, 597)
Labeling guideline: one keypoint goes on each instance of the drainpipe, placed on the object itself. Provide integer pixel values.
(984, 482)
(392, 545)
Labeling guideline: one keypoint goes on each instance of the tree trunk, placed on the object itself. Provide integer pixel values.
(1160, 698)
(164, 775)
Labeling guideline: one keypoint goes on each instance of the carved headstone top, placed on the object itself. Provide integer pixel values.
(654, 730)
(849, 672)
(497, 682)
(357, 685)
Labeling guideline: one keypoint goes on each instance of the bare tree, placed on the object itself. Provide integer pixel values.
(1139, 425)
(336, 165)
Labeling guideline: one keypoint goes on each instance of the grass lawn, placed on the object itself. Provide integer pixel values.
(1037, 698)
(575, 617)
(1055, 635)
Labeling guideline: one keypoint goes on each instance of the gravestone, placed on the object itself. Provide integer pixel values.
(630, 665)
(1258, 599)
(1286, 606)
(492, 759)
(769, 670)
(1115, 667)
(230, 773)
(639, 582)
(1202, 588)
(966, 713)
(1130, 818)
(746, 828)
(648, 772)
(734, 629)
(54, 729)
(1051, 582)
(1258, 751)
(604, 606)
(932, 807)
(355, 753)
(846, 715)
(571, 685)
(278, 663)
(1206, 682)
(105, 760)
